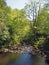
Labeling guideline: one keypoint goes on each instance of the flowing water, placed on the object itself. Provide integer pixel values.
(21, 59)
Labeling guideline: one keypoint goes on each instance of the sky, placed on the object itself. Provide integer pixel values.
(16, 3)
(19, 4)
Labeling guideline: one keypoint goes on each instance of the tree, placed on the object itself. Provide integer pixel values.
(43, 21)
(4, 34)
(32, 10)
(20, 27)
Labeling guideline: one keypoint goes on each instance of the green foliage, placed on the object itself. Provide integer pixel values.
(16, 26)
(43, 21)
(20, 26)
(4, 34)
(39, 42)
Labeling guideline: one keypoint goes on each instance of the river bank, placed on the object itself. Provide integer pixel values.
(19, 49)
(22, 50)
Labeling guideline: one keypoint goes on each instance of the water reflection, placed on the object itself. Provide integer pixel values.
(28, 59)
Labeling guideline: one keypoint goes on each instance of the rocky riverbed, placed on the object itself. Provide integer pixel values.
(20, 49)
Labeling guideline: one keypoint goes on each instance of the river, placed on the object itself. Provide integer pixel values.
(21, 59)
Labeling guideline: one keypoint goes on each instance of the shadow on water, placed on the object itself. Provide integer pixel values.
(28, 59)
